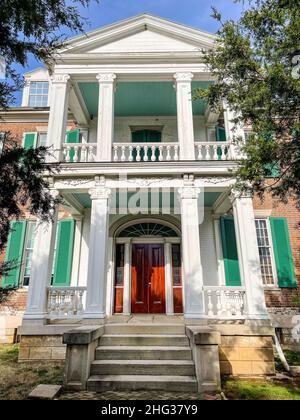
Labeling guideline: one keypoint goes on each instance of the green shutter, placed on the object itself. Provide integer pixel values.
(283, 252)
(29, 140)
(73, 137)
(14, 253)
(220, 136)
(64, 253)
(230, 254)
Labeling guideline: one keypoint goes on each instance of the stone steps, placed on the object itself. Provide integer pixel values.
(98, 383)
(143, 353)
(144, 328)
(144, 340)
(147, 367)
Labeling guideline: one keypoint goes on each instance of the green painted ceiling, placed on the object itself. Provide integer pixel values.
(209, 199)
(141, 98)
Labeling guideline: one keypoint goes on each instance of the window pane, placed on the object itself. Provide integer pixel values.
(120, 262)
(38, 94)
(264, 248)
(28, 251)
(176, 264)
(42, 140)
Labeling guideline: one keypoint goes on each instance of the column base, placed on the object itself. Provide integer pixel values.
(36, 319)
(94, 315)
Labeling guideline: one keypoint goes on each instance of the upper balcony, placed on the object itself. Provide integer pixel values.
(141, 121)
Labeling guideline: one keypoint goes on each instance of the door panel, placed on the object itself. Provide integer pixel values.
(148, 279)
(157, 279)
(139, 286)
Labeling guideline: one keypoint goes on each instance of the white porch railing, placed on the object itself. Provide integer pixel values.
(145, 152)
(224, 302)
(79, 152)
(213, 150)
(66, 302)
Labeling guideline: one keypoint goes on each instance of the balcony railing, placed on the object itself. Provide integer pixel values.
(147, 152)
(224, 302)
(213, 150)
(66, 302)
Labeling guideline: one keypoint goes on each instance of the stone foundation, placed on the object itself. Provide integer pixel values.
(247, 356)
(42, 348)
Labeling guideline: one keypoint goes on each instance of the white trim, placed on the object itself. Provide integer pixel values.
(169, 279)
(127, 279)
(219, 252)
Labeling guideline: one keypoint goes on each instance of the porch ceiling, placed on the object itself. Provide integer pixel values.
(141, 98)
(84, 199)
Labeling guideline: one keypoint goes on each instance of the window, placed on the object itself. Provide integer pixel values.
(2, 139)
(38, 94)
(265, 252)
(42, 140)
(28, 250)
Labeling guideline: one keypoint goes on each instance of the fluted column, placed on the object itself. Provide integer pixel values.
(97, 262)
(185, 121)
(41, 269)
(105, 134)
(192, 266)
(58, 117)
(248, 254)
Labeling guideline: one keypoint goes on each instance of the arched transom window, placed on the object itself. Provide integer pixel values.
(147, 230)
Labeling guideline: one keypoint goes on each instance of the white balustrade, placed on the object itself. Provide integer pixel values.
(225, 302)
(79, 152)
(213, 151)
(66, 302)
(145, 152)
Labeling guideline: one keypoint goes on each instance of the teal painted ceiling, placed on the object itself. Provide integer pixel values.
(85, 201)
(141, 98)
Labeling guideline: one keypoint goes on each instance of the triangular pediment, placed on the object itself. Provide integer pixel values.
(141, 34)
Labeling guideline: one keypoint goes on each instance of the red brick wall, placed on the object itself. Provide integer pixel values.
(284, 297)
(15, 302)
(17, 129)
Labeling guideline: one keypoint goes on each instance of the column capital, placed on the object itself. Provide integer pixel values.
(183, 77)
(189, 193)
(106, 77)
(60, 78)
(102, 193)
(237, 194)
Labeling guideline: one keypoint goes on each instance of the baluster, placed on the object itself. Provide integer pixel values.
(238, 308)
(68, 151)
(223, 302)
(146, 158)
(210, 305)
(83, 157)
(116, 154)
(219, 303)
(207, 152)
(79, 302)
(153, 157)
(199, 149)
(52, 302)
(228, 303)
(57, 302)
(138, 153)
(72, 303)
(176, 153)
(62, 306)
(76, 154)
(65, 153)
(168, 158)
(223, 155)
(215, 152)
(91, 153)
(123, 155)
(161, 153)
(130, 154)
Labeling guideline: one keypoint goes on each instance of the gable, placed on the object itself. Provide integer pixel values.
(146, 41)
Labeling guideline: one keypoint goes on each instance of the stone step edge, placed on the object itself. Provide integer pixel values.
(141, 378)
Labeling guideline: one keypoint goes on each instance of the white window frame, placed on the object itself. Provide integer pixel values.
(38, 94)
(272, 256)
(25, 252)
(38, 137)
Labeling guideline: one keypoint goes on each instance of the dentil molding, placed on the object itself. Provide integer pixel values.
(106, 77)
(60, 78)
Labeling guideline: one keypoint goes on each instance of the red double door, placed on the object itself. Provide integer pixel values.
(148, 279)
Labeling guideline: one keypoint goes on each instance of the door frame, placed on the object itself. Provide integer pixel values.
(128, 242)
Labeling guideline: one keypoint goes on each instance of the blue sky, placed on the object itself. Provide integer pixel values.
(195, 13)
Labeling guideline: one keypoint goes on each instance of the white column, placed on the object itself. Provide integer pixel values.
(76, 250)
(219, 251)
(248, 255)
(41, 271)
(169, 279)
(60, 92)
(233, 130)
(105, 133)
(127, 280)
(192, 267)
(185, 121)
(97, 263)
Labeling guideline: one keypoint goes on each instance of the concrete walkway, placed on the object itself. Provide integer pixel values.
(134, 395)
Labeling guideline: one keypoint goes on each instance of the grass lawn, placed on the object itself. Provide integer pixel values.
(260, 390)
(17, 380)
